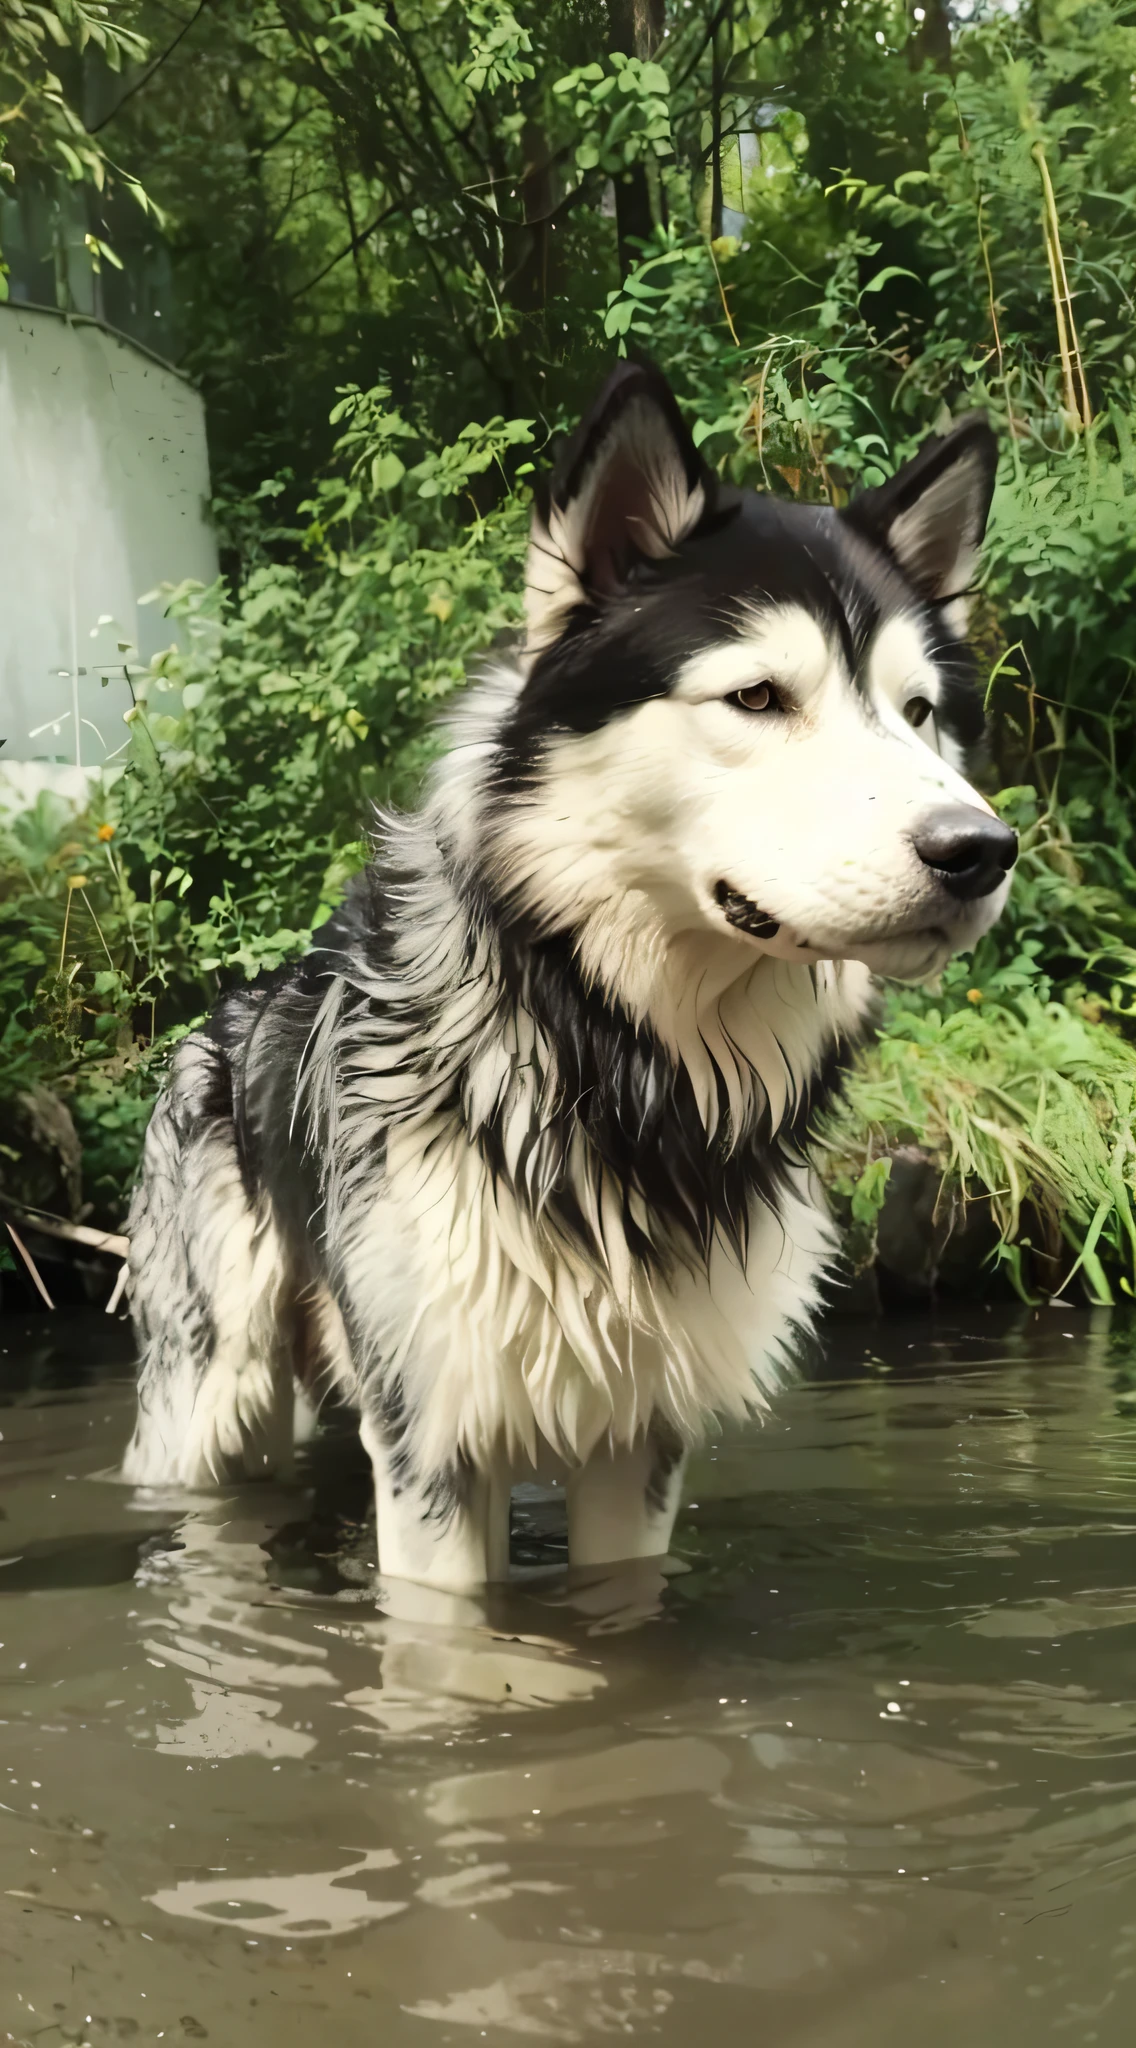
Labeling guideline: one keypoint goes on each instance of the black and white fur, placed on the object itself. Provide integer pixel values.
(514, 1156)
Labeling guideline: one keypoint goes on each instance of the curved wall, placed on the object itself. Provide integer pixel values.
(105, 483)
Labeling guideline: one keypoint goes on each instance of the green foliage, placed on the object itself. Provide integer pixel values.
(622, 114)
(85, 959)
(42, 130)
(257, 748)
(1029, 1106)
(501, 49)
(435, 224)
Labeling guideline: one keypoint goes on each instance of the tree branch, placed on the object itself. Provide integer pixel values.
(281, 134)
(148, 74)
(349, 248)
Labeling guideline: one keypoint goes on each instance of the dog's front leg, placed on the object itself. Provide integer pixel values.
(447, 1528)
(622, 1504)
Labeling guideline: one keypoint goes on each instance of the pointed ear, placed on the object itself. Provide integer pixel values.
(931, 515)
(631, 485)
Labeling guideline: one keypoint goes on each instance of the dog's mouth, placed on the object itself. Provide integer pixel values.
(898, 951)
(913, 951)
(744, 914)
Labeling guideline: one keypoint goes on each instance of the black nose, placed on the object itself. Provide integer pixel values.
(966, 851)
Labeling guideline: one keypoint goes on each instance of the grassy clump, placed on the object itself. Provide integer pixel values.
(1028, 1105)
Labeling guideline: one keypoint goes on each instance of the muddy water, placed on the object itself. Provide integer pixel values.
(864, 1773)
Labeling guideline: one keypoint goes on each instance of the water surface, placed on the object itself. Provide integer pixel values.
(864, 1773)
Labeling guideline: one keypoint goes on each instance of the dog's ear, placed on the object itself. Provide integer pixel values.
(931, 515)
(630, 485)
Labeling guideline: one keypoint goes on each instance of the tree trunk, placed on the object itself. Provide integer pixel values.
(636, 31)
(717, 77)
(529, 286)
(930, 41)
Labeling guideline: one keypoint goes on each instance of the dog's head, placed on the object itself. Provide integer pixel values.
(747, 718)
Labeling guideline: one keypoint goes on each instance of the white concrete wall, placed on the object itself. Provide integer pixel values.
(103, 492)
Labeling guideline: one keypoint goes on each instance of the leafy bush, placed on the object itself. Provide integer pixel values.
(256, 749)
(310, 695)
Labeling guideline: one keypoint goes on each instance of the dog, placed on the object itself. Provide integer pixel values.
(514, 1157)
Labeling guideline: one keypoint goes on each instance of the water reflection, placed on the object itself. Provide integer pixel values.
(433, 1659)
(319, 1902)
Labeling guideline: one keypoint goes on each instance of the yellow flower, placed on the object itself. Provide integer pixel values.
(76, 881)
(106, 832)
(974, 995)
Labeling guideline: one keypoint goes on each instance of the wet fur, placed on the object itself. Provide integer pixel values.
(514, 1157)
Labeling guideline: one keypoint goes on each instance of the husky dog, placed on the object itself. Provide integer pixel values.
(514, 1156)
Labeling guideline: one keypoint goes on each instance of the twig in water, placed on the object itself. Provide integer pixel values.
(116, 1295)
(77, 1233)
(30, 1263)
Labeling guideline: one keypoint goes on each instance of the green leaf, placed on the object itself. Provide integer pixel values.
(387, 471)
(882, 277)
(870, 1190)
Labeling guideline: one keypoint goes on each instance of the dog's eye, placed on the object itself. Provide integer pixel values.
(756, 697)
(917, 710)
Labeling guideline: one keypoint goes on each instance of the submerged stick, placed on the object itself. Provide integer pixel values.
(119, 1284)
(76, 1233)
(30, 1263)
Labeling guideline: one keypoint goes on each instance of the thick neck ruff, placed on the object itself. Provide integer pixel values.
(646, 1137)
